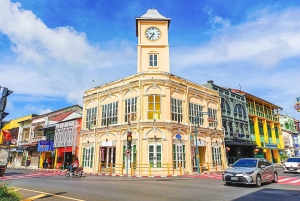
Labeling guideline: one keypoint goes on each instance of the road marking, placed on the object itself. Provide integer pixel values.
(35, 197)
(280, 180)
(42, 194)
(295, 181)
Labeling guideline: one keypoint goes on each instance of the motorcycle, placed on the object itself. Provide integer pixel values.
(78, 172)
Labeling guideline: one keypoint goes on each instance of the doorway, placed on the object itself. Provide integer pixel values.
(154, 155)
(107, 156)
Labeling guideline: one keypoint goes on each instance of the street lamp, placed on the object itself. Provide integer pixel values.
(196, 136)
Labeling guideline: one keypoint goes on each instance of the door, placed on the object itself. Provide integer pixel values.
(154, 155)
(179, 156)
(269, 170)
(127, 161)
(262, 170)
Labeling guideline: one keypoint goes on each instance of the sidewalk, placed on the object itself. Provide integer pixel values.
(113, 175)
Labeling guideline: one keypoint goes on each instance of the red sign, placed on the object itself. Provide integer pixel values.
(297, 106)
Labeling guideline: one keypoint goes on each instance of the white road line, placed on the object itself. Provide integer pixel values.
(280, 180)
(295, 181)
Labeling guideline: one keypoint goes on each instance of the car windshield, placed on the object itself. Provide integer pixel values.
(245, 163)
(293, 160)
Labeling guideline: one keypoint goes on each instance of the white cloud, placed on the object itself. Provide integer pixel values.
(215, 20)
(44, 111)
(57, 62)
(261, 54)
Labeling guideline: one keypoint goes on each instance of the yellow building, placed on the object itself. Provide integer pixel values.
(158, 108)
(265, 128)
(13, 128)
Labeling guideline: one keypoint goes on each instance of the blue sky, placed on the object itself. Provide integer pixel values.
(51, 51)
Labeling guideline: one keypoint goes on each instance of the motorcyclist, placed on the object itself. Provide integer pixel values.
(74, 165)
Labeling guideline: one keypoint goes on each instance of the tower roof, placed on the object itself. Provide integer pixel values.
(152, 15)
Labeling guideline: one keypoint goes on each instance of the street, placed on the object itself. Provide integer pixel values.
(55, 186)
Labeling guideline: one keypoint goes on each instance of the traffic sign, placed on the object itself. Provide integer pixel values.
(13, 141)
(178, 136)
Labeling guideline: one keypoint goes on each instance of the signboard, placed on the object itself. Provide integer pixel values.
(102, 154)
(45, 145)
(178, 136)
(107, 144)
(73, 150)
(270, 145)
(199, 143)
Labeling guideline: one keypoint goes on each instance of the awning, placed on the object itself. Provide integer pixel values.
(47, 127)
(239, 143)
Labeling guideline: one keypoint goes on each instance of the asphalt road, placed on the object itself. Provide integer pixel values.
(98, 188)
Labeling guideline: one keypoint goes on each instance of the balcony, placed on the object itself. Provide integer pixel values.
(38, 138)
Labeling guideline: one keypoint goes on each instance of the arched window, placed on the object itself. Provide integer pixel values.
(224, 105)
(286, 125)
(244, 112)
(239, 110)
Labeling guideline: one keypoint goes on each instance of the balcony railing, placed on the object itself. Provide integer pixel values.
(38, 138)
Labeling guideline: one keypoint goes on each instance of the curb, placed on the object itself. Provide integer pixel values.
(115, 175)
(98, 174)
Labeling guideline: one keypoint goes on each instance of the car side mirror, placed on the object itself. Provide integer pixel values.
(262, 166)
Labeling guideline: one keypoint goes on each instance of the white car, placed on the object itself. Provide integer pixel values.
(292, 165)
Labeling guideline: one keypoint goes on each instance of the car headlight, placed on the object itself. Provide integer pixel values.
(248, 173)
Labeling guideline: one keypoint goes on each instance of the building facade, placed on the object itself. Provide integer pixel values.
(264, 127)
(158, 109)
(36, 136)
(235, 122)
(290, 134)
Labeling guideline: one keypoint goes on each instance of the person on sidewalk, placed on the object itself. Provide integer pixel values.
(49, 162)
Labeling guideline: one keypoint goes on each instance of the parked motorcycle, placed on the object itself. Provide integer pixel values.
(78, 172)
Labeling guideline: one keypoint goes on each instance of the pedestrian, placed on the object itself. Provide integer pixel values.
(49, 162)
(45, 163)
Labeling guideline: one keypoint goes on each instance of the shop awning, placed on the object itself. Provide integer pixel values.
(47, 127)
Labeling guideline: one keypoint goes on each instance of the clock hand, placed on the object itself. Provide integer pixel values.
(152, 35)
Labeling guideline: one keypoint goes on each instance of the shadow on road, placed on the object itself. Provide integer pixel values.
(268, 194)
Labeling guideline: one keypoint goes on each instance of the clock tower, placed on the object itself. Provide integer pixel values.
(153, 46)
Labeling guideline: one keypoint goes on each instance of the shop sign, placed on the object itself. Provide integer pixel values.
(271, 145)
(107, 144)
(199, 143)
(45, 145)
(102, 154)
(31, 148)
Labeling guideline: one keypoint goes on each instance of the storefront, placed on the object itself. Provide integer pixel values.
(64, 157)
(45, 147)
(239, 149)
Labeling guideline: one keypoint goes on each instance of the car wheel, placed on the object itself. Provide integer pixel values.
(228, 183)
(258, 181)
(275, 178)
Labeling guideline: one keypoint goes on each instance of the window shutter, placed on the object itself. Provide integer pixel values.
(83, 157)
(92, 154)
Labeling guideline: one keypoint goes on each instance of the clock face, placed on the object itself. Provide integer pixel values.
(153, 33)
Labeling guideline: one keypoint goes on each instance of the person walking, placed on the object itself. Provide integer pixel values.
(49, 162)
